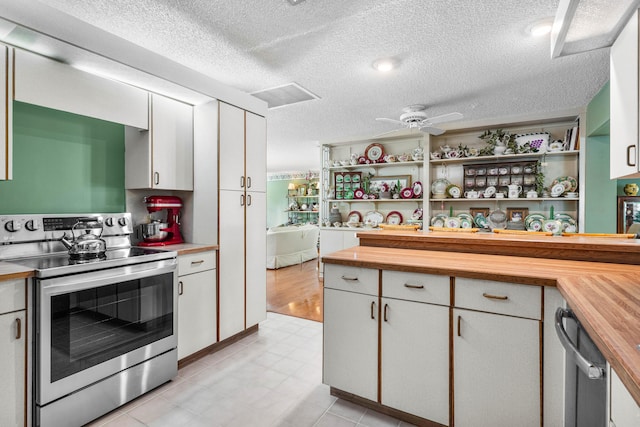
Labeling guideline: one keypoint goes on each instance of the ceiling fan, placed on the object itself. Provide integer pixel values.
(414, 117)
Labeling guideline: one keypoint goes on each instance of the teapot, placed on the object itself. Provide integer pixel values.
(471, 194)
(532, 194)
(87, 244)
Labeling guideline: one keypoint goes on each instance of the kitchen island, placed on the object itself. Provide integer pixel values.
(605, 296)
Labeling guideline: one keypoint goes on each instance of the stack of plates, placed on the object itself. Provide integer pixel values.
(533, 222)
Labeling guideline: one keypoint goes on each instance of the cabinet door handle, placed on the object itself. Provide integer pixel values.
(180, 288)
(248, 199)
(500, 297)
(459, 321)
(18, 329)
(386, 307)
(629, 147)
(248, 182)
(373, 305)
(156, 178)
(349, 279)
(242, 182)
(200, 261)
(407, 285)
(242, 200)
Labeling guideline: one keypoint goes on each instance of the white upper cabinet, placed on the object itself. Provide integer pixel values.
(42, 81)
(162, 157)
(231, 145)
(6, 112)
(624, 102)
(256, 152)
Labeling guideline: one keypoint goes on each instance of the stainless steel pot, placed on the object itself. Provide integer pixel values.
(154, 231)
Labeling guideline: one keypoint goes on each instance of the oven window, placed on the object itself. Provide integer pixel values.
(98, 324)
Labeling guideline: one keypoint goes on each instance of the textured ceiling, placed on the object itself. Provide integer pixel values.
(474, 57)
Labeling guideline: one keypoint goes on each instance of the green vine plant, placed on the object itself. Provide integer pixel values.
(539, 178)
(491, 138)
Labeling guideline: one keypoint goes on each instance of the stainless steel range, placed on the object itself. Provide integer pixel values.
(105, 321)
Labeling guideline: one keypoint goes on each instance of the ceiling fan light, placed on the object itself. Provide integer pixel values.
(384, 65)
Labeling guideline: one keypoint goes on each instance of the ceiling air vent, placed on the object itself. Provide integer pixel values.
(288, 94)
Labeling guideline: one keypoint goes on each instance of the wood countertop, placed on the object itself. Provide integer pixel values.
(9, 271)
(534, 245)
(604, 296)
(188, 248)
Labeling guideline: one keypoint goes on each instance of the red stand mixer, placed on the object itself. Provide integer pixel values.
(157, 232)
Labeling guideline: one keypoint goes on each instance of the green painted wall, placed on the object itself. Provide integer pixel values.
(63, 163)
(600, 191)
(278, 203)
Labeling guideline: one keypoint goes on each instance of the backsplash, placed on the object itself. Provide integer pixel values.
(63, 163)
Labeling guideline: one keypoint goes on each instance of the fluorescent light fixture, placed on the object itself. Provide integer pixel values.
(384, 65)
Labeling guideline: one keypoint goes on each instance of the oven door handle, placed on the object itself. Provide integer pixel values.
(593, 371)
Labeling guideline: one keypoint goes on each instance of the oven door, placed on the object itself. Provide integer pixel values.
(93, 325)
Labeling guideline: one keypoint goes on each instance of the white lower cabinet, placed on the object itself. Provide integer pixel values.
(623, 410)
(197, 290)
(13, 353)
(351, 342)
(415, 358)
(496, 370)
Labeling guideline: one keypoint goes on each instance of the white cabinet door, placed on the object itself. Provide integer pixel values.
(256, 152)
(161, 158)
(624, 411)
(12, 373)
(415, 358)
(351, 342)
(231, 146)
(232, 262)
(196, 312)
(496, 370)
(624, 102)
(6, 113)
(172, 141)
(42, 81)
(256, 262)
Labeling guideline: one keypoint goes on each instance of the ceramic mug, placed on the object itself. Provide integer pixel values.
(471, 194)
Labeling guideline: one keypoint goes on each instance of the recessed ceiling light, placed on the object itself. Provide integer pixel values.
(541, 28)
(295, 2)
(384, 65)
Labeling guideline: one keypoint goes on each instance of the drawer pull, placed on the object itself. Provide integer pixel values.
(459, 321)
(629, 155)
(350, 279)
(500, 297)
(18, 329)
(180, 288)
(193, 263)
(407, 285)
(386, 307)
(373, 305)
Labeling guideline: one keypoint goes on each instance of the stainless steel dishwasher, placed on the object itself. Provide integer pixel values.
(586, 388)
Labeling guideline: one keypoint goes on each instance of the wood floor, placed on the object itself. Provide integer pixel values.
(296, 291)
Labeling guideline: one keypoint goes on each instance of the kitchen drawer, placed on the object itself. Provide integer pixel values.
(194, 263)
(12, 295)
(416, 287)
(499, 297)
(353, 279)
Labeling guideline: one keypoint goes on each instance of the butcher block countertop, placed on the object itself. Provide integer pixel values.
(189, 248)
(9, 271)
(536, 245)
(604, 296)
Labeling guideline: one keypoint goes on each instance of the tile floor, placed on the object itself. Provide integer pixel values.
(271, 378)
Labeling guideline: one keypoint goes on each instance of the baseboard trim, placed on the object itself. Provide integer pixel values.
(185, 361)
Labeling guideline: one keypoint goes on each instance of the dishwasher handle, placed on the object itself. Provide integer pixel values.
(593, 371)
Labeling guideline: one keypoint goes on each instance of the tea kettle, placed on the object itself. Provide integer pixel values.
(86, 244)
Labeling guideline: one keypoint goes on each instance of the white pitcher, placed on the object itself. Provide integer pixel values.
(514, 191)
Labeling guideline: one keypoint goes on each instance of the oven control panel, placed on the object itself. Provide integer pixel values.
(39, 227)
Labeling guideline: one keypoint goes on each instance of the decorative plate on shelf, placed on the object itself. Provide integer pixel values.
(438, 220)
(534, 225)
(417, 214)
(358, 193)
(552, 225)
(439, 187)
(374, 152)
(373, 216)
(452, 222)
(394, 218)
(454, 191)
(570, 183)
(557, 190)
(480, 221)
(406, 193)
(417, 189)
(354, 216)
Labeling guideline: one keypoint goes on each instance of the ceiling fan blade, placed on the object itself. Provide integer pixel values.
(432, 130)
(444, 118)
(386, 133)
(395, 122)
